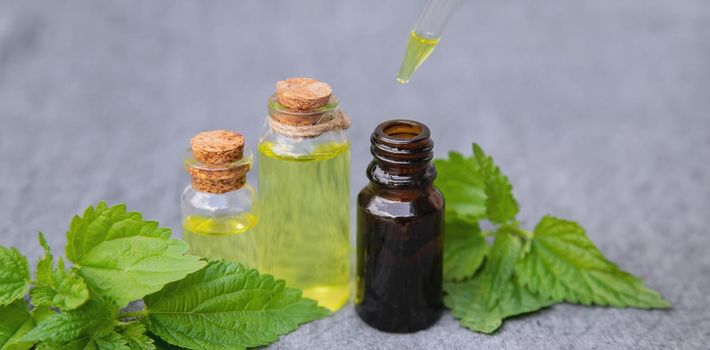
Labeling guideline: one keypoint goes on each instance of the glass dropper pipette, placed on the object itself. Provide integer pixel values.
(425, 36)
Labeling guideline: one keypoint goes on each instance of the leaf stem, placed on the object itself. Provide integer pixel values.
(134, 314)
(516, 230)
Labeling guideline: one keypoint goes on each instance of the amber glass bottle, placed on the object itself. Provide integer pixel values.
(400, 232)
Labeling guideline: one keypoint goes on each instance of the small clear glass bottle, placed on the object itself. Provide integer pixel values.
(218, 207)
(304, 191)
(400, 232)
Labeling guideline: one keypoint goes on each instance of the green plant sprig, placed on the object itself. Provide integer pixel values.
(523, 271)
(119, 258)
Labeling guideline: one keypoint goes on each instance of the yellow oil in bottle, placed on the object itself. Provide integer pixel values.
(222, 237)
(418, 49)
(304, 225)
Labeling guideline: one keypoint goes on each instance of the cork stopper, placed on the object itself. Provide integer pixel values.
(217, 146)
(216, 161)
(303, 94)
(305, 108)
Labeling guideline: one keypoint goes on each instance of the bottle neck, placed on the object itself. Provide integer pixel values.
(389, 177)
(402, 152)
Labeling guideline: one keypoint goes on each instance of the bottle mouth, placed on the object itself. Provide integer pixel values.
(402, 131)
(402, 142)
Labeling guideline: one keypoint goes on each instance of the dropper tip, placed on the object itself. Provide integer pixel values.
(418, 49)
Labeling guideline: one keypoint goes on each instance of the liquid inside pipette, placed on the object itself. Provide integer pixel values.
(418, 49)
(425, 36)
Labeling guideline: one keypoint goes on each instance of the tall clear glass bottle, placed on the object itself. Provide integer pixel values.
(400, 232)
(218, 207)
(304, 185)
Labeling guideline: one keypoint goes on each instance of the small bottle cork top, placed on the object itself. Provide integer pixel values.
(216, 161)
(303, 94)
(217, 146)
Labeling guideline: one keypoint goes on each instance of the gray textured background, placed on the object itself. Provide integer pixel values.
(599, 110)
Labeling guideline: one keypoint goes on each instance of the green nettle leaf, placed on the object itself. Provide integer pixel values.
(564, 264)
(467, 301)
(14, 322)
(94, 317)
(465, 247)
(79, 344)
(111, 341)
(501, 264)
(126, 269)
(108, 341)
(226, 306)
(71, 290)
(123, 257)
(57, 287)
(105, 223)
(501, 206)
(134, 334)
(463, 188)
(31, 319)
(74, 345)
(37, 315)
(42, 296)
(45, 266)
(160, 344)
(14, 275)
(523, 271)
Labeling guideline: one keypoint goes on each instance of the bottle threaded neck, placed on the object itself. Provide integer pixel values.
(402, 151)
(401, 142)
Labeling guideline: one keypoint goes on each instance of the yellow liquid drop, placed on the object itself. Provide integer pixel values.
(418, 49)
(223, 237)
(304, 226)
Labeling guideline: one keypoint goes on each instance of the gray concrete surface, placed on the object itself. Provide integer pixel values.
(599, 110)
